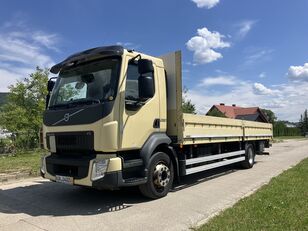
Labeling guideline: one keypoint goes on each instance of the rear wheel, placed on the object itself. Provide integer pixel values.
(160, 176)
(249, 157)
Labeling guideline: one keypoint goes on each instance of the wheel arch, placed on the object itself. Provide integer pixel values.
(172, 155)
(250, 143)
(158, 142)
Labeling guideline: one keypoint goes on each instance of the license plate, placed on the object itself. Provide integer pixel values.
(64, 179)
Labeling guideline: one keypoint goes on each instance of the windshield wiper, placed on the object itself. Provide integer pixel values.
(60, 105)
(84, 101)
(74, 103)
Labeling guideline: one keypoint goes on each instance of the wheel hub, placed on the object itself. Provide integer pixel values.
(161, 175)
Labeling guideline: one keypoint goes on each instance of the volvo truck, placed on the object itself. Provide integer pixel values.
(114, 119)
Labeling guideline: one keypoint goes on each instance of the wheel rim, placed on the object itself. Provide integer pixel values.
(250, 156)
(161, 176)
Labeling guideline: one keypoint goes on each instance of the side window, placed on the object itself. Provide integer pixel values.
(132, 90)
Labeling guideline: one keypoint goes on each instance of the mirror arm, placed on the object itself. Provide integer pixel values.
(134, 58)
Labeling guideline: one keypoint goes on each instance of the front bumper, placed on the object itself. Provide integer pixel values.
(112, 178)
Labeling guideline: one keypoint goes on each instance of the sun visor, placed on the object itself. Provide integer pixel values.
(88, 55)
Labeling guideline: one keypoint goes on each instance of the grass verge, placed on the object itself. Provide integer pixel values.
(27, 162)
(280, 205)
(278, 139)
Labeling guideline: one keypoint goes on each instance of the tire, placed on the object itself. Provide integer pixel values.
(160, 176)
(249, 157)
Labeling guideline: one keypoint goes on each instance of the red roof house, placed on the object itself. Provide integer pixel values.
(235, 112)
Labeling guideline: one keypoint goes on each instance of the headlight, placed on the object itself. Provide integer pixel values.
(99, 169)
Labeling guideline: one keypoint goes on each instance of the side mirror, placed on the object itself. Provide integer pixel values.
(51, 84)
(145, 66)
(47, 100)
(146, 87)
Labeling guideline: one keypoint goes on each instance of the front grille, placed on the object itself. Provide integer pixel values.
(72, 142)
(76, 167)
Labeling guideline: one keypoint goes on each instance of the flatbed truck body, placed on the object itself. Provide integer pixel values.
(114, 119)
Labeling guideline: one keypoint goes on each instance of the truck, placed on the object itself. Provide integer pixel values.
(114, 119)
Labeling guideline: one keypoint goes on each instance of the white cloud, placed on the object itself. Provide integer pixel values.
(47, 40)
(262, 75)
(7, 78)
(298, 72)
(13, 49)
(274, 104)
(206, 3)
(203, 46)
(129, 45)
(260, 89)
(258, 56)
(21, 50)
(245, 27)
(219, 80)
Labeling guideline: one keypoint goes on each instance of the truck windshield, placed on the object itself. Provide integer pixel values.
(86, 84)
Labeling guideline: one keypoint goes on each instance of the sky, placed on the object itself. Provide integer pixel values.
(248, 53)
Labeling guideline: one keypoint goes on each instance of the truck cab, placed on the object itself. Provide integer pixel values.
(106, 107)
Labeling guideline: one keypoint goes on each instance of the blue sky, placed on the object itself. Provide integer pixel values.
(251, 53)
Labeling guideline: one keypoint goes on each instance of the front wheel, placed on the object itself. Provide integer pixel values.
(160, 176)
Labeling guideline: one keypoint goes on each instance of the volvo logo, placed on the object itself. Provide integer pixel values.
(66, 117)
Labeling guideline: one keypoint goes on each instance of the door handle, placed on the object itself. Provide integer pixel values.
(156, 123)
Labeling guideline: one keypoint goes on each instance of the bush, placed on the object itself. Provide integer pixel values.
(280, 129)
(6, 146)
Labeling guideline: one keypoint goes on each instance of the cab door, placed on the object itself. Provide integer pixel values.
(139, 119)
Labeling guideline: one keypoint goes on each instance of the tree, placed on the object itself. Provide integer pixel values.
(303, 123)
(22, 114)
(187, 105)
(281, 129)
(270, 115)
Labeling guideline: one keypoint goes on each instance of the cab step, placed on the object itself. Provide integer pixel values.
(135, 181)
(132, 163)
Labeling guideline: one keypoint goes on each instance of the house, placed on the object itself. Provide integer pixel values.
(235, 112)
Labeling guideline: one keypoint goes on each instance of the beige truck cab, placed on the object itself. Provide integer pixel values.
(114, 119)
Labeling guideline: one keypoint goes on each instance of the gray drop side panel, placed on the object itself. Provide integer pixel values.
(173, 67)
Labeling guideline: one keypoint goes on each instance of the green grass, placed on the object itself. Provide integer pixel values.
(280, 205)
(288, 137)
(27, 162)
(278, 139)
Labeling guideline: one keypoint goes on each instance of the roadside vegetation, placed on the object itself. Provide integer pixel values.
(187, 105)
(21, 115)
(279, 139)
(280, 205)
(27, 162)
